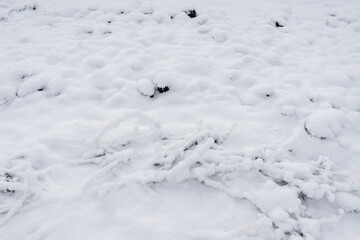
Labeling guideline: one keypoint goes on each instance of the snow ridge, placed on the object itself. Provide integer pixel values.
(281, 196)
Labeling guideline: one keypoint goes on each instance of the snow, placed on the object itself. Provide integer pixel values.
(348, 201)
(146, 87)
(179, 120)
(7, 94)
(325, 124)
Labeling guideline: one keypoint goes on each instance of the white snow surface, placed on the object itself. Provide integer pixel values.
(131, 120)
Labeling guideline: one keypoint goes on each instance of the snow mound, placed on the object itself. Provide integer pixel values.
(7, 94)
(146, 87)
(325, 124)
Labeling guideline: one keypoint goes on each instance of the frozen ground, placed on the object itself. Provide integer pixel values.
(132, 120)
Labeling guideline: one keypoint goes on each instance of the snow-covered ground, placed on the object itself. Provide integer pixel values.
(180, 120)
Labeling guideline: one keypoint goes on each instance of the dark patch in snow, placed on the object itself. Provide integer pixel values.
(267, 95)
(274, 226)
(10, 191)
(158, 164)
(198, 164)
(150, 96)
(191, 13)
(192, 146)
(218, 141)
(100, 155)
(163, 89)
(26, 7)
(302, 196)
(257, 157)
(149, 13)
(300, 234)
(7, 177)
(277, 24)
(281, 183)
(23, 76)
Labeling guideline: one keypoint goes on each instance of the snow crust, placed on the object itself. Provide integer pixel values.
(179, 120)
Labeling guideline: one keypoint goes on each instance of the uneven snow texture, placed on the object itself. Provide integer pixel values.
(180, 120)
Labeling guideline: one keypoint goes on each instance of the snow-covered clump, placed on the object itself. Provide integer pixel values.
(146, 87)
(348, 201)
(165, 81)
(325, 124)
(31, 85)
